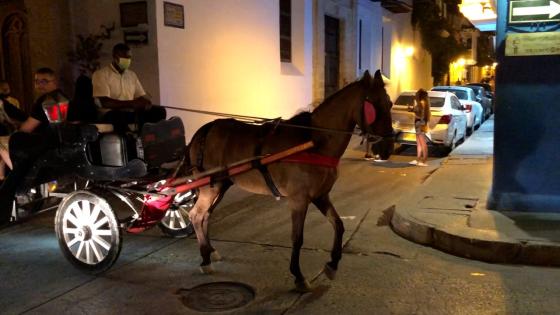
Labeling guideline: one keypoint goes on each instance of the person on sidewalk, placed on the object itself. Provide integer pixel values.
(422, 115)
(33, 138)
(119, 94)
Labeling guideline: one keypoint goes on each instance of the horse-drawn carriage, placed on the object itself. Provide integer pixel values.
(101, 176)
(296, 159)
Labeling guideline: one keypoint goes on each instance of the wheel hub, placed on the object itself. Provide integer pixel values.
(85, 234)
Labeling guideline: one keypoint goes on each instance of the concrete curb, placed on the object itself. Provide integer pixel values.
(475, 246)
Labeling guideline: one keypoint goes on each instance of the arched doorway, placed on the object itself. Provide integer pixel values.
(14, 57)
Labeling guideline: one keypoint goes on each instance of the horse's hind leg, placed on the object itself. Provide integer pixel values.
(199, 216)
(299, 211)
(224, 186)
(326, 207)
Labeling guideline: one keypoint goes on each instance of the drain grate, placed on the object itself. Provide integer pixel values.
(217, 296)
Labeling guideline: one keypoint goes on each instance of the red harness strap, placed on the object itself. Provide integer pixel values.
(312, 158)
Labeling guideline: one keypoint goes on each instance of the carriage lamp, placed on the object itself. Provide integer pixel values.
(56, 111)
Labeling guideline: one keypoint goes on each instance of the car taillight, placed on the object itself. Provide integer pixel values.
(468, 108)
(445, 119)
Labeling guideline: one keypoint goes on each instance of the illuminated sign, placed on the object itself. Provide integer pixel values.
(533, 44)
(533, 11)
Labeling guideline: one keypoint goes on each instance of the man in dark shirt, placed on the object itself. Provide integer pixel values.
(34, 138)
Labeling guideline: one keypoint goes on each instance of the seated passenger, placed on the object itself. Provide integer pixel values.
(82, 107)
(34, 139)
(120, 95)
(11, 118)
(5, 94)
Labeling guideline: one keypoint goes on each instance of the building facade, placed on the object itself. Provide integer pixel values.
(265, 58)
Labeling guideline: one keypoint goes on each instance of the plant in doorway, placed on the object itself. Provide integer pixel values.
(87, 50)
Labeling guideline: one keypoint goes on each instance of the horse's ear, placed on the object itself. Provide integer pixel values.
(378, 79)
(367, 79)
(366, 75)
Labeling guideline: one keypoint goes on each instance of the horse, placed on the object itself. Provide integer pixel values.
(309, 180)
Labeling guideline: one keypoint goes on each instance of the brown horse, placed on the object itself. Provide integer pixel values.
(225, 141)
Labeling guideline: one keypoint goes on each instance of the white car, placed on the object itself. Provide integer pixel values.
(467, 97)
(448, 123)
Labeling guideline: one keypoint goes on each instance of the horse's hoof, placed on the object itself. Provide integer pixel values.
(303, 286)
(329, 272)
(215, 256)
(207, 269)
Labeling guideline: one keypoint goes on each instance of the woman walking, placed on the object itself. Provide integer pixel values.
(422, 118)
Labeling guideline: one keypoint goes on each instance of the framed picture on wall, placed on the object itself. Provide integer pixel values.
(173, 15)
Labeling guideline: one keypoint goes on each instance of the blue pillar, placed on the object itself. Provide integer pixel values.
(527, 124)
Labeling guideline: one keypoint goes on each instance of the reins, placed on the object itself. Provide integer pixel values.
(276, 121)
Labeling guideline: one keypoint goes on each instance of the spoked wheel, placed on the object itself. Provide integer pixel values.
(176, 222)
(88, 232)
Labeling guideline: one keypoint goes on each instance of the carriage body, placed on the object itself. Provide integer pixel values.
(102, 178)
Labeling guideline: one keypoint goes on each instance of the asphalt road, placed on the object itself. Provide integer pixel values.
(380, 273)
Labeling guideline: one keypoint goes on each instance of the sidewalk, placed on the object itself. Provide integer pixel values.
(448, 212)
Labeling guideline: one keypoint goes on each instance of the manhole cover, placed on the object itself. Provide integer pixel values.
(217, 296)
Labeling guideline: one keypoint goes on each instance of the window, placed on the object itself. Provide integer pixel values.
(462, 95)
(286, 30)
(455, 104)
(437, 101)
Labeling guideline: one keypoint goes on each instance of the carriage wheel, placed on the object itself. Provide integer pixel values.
(88, 232)
(176, 222)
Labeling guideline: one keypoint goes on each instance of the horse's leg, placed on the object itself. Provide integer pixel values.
(214, 255)
(326, 207)
(199, 216)
(299, 211)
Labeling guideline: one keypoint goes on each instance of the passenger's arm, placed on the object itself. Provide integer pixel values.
(29, 125)
(140, 103)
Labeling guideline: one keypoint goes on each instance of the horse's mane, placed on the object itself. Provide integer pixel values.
(335, 94)
(300, 119)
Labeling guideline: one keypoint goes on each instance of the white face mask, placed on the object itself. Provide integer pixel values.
(124, 63)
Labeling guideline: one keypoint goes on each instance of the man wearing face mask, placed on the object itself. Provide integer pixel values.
(120, 95)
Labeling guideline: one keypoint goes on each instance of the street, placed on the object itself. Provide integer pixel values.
(380, 273)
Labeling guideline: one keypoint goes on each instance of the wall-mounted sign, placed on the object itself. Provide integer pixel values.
(138, 37)
(533, 11)
(533, 44)
(134, 13)
(173, 15)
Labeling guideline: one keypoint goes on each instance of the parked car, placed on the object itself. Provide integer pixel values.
(473, 109)
(483, 99)
(488, 92)
(448, 123)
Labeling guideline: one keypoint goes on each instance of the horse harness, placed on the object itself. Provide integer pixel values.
(300, 158)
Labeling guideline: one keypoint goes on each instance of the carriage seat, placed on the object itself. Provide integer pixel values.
(107, 128)
(158, 143)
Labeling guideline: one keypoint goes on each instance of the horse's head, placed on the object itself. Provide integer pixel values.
(376, 112)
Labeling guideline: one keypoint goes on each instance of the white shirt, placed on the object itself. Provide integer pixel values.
(108, 82)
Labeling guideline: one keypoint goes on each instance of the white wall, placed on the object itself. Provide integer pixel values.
(227, 59)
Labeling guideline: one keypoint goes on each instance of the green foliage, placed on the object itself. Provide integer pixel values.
(437, 34)
(86, 54)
